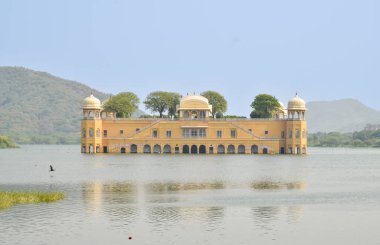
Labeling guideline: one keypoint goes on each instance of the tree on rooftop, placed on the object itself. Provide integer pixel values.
(218, 102)
(123, 104)
(173, 101)
(161, 101)
(264, 106)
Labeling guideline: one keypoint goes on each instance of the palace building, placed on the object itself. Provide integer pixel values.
(194, 131)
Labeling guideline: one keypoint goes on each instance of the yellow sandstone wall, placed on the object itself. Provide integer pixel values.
(270, 134)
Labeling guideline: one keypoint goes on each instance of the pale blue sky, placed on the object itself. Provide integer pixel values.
(324, 49)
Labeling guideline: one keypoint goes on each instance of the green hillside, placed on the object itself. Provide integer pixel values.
(345, 115)
(36, 107)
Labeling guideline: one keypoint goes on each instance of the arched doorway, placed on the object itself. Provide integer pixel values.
(265, 150)
(185, 149)
(254, 149)
(231, 149)
(304, 150)
(133, 148)
(202, 149)
(221, 149)
(167, 149)
(147, 149)
(194, 149)
(241, 149)
(157, 149)
(122, 150)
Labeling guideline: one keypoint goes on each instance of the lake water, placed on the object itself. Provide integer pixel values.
(331, 196)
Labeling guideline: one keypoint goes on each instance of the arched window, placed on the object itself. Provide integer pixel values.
(297, 134)
(231, 149)
(185, 149)
(133, 148)
(194, 149)
(147, 149)
(98, 132)
(254, 149)
(202, 149)
(157, 149)
(186, 114)
(83, 133)
(241, 149)
(91, 132)
(221, 149)
(167, 149)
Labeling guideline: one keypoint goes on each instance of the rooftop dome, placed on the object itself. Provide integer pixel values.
(195, 97)
(194, 102)
(296, 103)
(91, 102)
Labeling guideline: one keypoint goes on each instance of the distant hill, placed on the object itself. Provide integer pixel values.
(346, 115)
(36, 107)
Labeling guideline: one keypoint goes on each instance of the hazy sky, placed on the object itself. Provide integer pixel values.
(324, 49)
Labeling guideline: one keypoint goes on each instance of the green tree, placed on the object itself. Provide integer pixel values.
(218, 102)
(173, 101)
(264, 106)
(161, 101)
(124, 104)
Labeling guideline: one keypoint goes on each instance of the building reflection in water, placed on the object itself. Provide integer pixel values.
(164, 218)
(265, 217)
(115, 200)
(294, 214)
(163, 187)
(92, 195)
(164, 205)
(277, 185)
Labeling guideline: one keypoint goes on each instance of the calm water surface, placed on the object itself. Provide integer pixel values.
(331, 196)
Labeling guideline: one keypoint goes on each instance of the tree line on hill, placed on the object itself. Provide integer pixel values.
(125, 103)
(363, 138)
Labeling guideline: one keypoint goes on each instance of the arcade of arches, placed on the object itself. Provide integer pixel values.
(202, 149)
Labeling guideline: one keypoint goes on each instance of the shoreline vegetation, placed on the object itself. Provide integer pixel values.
(6, 142)
(364, 138)
(11, 198)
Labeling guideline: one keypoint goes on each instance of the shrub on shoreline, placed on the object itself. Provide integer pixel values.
(6, 142)
(8, 199)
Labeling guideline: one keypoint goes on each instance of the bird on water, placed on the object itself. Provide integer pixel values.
(51, 168)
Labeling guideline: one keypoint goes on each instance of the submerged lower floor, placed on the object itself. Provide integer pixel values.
(203, 147)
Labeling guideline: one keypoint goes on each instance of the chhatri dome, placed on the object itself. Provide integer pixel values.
(195, 106)
(91, 102)
(296, 103)
(194, 102)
